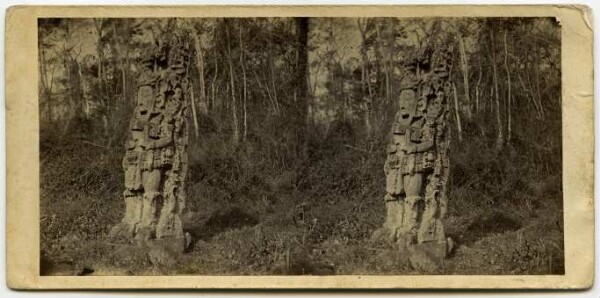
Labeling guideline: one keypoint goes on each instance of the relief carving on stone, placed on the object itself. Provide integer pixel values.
(155, 161)
(417, 164)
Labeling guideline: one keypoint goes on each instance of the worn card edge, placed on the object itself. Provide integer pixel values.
(22, 149)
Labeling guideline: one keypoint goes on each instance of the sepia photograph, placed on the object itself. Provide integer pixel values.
(256, 148)
(295, 146)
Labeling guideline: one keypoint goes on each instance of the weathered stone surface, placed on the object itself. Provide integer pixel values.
(417, 162)
(155, 161)
(427, 256)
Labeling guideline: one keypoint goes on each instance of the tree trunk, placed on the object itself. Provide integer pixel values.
(98, 23)
(271, 70)
(378, 54)
(194, 112)
(67, 64)
(301, 82)
(386, 73)
(500, 138)
(200, 66)
(84, 92)
(245, 87)
(236, 132)
(390, 63)
(365, 78)
(457, 113)
(100, 53)
(477, 88)
(125, 67)
(46, 86)
(214, 80)
(465, 73)
(529, 94)
(509, 96)
(536, 69)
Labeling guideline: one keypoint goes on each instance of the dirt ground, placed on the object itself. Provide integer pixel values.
(249, 222)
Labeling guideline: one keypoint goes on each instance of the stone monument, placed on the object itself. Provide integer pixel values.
(417, 159)
(155, 161)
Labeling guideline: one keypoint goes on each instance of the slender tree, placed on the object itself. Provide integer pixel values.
(301, 82)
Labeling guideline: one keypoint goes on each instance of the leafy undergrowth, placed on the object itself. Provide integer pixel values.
(248, 217)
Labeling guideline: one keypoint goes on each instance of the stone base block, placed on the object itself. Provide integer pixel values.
(384, 234)
(428, 256)
(122, 230)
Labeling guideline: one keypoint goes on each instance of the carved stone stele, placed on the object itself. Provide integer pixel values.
(155, 161)
(417, 160)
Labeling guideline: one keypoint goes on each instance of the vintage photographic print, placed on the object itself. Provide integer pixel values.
(301, 145)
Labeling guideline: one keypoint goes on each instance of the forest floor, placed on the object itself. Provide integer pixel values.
(247, 218)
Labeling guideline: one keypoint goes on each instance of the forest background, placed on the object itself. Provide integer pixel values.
(289, 123)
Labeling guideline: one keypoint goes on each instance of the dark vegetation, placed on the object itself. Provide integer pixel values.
(267, 198)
